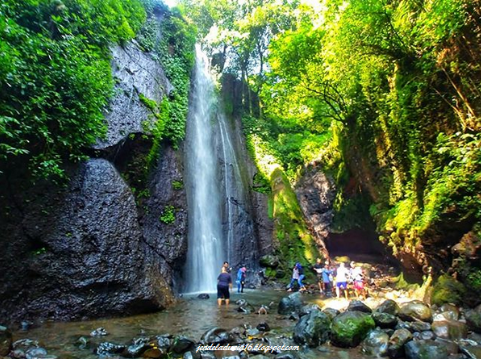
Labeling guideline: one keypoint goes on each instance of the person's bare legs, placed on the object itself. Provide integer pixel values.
(227, 301)
(219, 301)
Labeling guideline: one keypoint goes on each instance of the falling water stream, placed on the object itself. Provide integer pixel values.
(220, 225)
(204, 194)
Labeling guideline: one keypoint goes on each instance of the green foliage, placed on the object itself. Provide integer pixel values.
(168, 215)
(176, 53)
(178, 185)
(55, 77)
(448, 290)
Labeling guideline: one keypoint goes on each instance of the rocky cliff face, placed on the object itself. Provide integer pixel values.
(315, 192)
(88, 249)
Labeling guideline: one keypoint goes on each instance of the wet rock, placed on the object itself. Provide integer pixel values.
(451, 346)
(34, 353)
(415, 310)
(269, 261)
(164, 341)
(350, 328)
(449, 311)
(246, 308)
(306, 309)
(203, 296)
(450, 329)
(357, 305)
(155, 353)
(312, 329)
(473, 319)
(263, 327)
(292, 303)
(422, 349)
(253, 333)
(24, 344)
(475, 337)
(217, 336)
(419, 326)
(426, 335)
(376, 343)
(5, 341)
(331, 312)
(107, 348)
(82, 342)
(181, 344)
(389, 306)
(207, 355)
(473, 352)
(98, 332)
(397, 341)
(286, 356)
(384, 320)
(138, 346)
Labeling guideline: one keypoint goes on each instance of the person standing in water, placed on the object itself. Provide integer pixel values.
(224, 282)
(241, 279)
(295, 278)
(342, 276)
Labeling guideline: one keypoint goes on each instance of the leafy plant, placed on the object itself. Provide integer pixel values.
(168, 215)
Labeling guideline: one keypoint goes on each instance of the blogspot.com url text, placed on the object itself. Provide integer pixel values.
(248, 347)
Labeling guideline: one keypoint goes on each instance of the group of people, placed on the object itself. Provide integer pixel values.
(340, 279)
(224, 283)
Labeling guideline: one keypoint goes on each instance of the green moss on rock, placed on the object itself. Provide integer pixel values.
(448, 290)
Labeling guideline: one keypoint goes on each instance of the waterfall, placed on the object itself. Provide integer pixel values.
(220, 224)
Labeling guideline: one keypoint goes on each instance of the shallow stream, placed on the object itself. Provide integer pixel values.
(191, 317)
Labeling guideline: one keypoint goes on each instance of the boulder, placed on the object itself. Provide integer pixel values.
(384, 320)
(312, 329)
(376, 343)
(473, 319)
(450, 329)
(415, 309)
(350, 328)
(397, 341)
(292, 303)
(357, 305)
(388, 306)
(269, 261)
(424, 349)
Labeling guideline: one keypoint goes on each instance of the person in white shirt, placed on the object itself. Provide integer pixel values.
(342, 275)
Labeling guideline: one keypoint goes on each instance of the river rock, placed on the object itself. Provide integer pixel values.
(331, 312)
(155, 353)
(5, 341)
(217, 336)
(312, 329)
(357, 305)
(415, 310)
(473, 319)
(423, 349)
(350, 328)
(181, 344)
(419, 326)
(107, 348)
(397, 341)
(376, 343)
(292, 303)
(388, 306)
(263, 327)
(203, 296)
(34, 353)
(473, 352)
(306, 309)
(450, 329)
(384, 320)
(451, 346)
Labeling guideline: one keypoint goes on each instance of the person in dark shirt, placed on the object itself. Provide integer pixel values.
(318, 267)
(224, 281)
